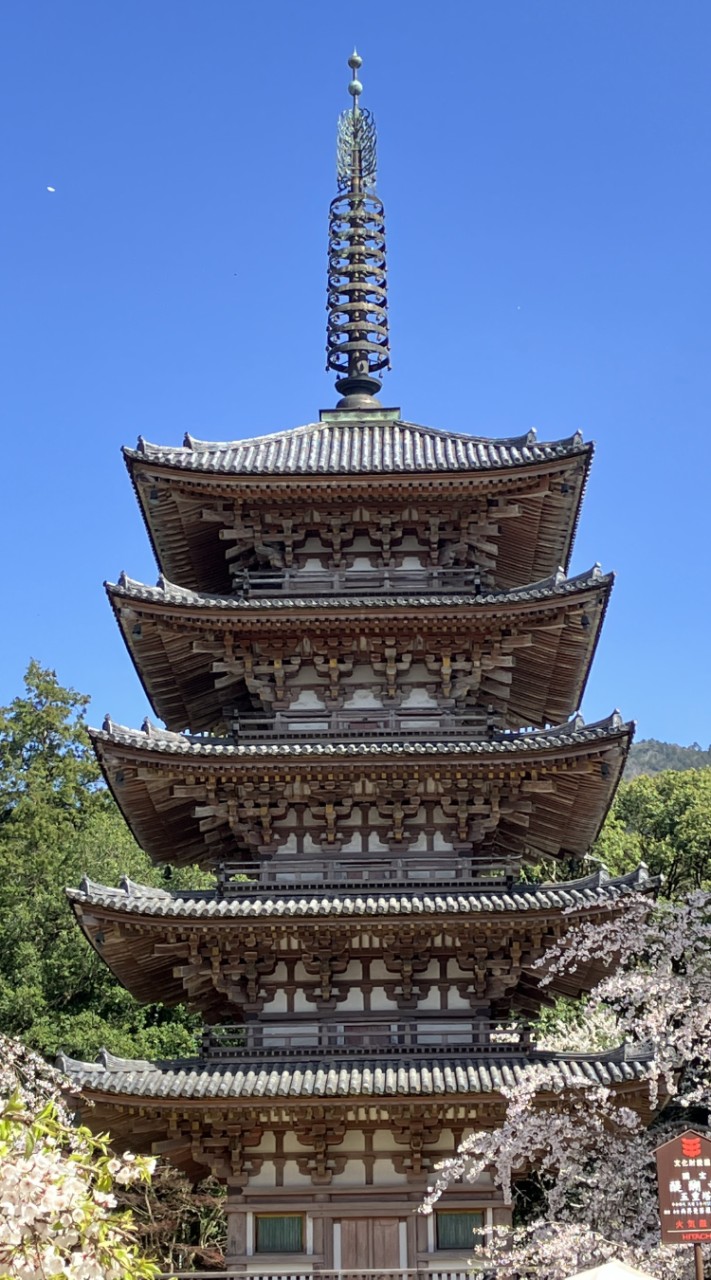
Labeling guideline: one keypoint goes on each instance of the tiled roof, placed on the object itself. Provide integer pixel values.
(137, 899)
(558, 585)
(312, 1078)
(342, 444)
(574, 733)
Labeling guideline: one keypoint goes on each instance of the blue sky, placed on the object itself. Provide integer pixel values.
(545, 173)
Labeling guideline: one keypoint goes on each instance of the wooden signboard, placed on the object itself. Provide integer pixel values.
(684, 1176)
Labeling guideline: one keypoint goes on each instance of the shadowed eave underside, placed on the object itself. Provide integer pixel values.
(166, 629)
(196, 1113)
(563, 781)
(189, 495)
(145, 934)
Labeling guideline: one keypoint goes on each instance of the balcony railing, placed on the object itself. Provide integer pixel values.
(392, 873)
(349, 1039)
(358, 582)
(344, 726)
(317, 1273)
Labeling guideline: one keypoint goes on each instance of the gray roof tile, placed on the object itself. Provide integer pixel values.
(331, 1078)
(167, 593)
(574, 732)
(141, 900)
(342, 443)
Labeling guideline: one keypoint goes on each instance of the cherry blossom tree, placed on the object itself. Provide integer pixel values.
(58, 1183)
(593, 1157)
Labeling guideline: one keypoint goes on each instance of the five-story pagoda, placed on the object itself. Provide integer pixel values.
(360, 639)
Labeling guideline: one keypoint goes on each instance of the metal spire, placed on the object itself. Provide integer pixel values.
(357, 346)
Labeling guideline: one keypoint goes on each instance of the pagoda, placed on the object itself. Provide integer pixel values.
(368, 658)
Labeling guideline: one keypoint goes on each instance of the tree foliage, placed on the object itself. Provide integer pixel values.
(182, 1225)
(665, 821)
(58, 822)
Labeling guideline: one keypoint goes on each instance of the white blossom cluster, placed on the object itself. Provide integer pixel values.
(593, 1157)
(57, 1207)
(27, 1075)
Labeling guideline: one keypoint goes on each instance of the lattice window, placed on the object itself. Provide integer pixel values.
(460, 1230)
(279, 1233)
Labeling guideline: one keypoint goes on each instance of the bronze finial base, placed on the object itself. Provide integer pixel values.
(358, 392)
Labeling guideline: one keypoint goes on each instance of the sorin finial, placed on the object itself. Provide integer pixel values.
(357, 341)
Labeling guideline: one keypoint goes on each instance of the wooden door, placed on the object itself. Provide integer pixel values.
(370, 1244)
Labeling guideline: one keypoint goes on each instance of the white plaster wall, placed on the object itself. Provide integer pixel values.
(354, 844)
(418, 698)
(278, 1004)
(440, 844)
(352, 1176)
(361, 542)
(360, 678)
(290, 845)
(363, 699)
(375, 844)
(293, 1177)
(456, 1001)
(353, 1143)
(353, 1002)
(432, 1000)
(410, 542)
(307, 700)
(265, 1177)
(384, 1173)
(379, 1002)
(382, 1140)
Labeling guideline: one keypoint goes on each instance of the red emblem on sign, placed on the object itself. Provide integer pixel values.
(684, 1173)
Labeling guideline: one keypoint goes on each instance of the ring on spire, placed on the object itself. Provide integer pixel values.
(357, 346)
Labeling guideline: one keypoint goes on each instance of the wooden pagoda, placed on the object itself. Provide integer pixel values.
(368, 657)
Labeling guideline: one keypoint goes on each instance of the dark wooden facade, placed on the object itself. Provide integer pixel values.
(368, 658)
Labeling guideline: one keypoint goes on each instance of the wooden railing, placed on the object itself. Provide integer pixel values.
(343, 726)
(358, 582)
(348, 1039)
(317, 1273)
(392, 873)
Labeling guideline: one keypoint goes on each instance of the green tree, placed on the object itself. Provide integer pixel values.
(665, 821)
(58, 822)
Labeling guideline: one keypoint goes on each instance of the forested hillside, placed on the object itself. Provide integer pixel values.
(652, 756)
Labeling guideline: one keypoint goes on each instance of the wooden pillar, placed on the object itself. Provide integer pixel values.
(236, 1215)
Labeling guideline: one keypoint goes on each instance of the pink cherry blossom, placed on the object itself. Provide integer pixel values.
(592, 1157)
